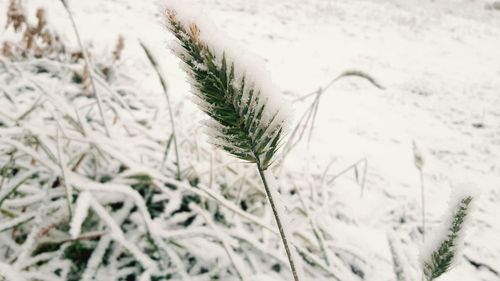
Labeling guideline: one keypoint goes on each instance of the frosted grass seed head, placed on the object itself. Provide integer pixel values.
(243, 122)
(418, 158)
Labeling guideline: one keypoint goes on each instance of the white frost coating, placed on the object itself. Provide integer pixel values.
(80, 213)
(39, 276)
(246, 64)
(131, 137)
(87, 185)
(226, 242)
(196, 99)
(28, 200)
(267, 277)
(6, 190)
(438, 235)
(119, 236)
(31, 261)
(31, 152)
(400, 262)
(28, 244)
(10, 273)
(146, 275)
(96, 259)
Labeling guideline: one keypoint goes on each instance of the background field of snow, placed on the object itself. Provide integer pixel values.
(440, 65)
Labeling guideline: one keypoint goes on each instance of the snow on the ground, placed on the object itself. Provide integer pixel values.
(439, 62)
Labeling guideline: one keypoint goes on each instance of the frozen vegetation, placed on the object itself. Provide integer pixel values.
(387, 168)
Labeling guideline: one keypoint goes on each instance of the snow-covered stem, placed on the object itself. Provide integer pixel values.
(347, 73)
(224, 241)
(308, 118)
(118, 235)
(418, 161)
(422, 194)
(396, 262)
(67, 185)
(10, 273)
(89, 67)
(282, 231)
(317, 234)
(163, 83)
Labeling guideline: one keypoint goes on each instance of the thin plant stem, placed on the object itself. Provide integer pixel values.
(240, 191)
(316, 232)
(90, 69)
(163, 83)
(211, 175)
(278, 220)
(352, 166)
(346, 73)
(167, 149)
(365, 169)
(67, 186)
(423, 202)
(314, 114)
(223, 240)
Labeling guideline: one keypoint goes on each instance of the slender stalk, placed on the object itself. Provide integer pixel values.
(396, 262)
(283, 235)
(422, 194)
(223, 240)
(167, 149)
(163, 83)
(316, 232)
(418, 160)
(346, 73)
(90, 69)
(67, 186)
(423, 202)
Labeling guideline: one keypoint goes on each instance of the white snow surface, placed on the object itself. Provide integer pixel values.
(440, 66)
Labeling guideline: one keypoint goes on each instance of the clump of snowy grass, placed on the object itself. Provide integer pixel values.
(132, 217)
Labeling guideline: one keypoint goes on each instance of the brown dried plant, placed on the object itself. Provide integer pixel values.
(76, 56)
(36, 39)
(120, 45)
(107, 68)
(39, 38)
(8, 49)
(87, 86)
(15, 16)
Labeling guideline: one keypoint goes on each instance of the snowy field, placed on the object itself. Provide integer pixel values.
(351, 178)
